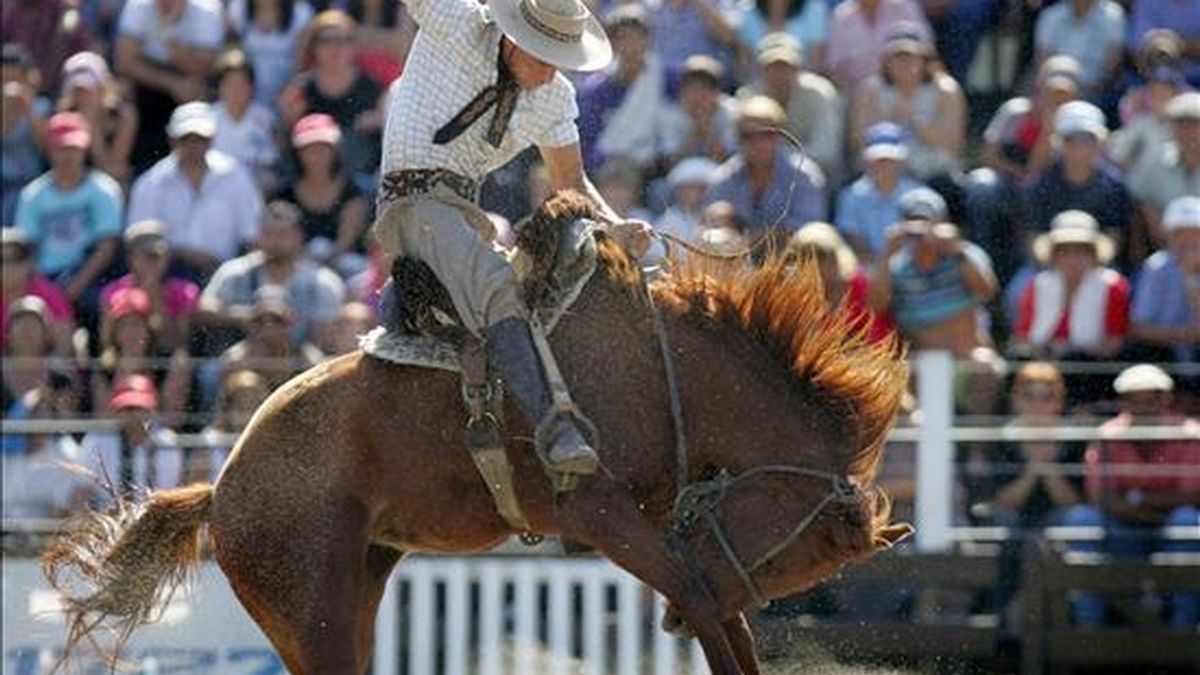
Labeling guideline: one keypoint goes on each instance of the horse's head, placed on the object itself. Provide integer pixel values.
(787, 408)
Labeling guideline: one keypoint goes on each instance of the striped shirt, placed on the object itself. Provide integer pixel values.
(453, 58)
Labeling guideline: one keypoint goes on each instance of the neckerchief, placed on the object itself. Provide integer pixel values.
(502, 95)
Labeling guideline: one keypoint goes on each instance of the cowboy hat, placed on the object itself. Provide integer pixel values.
(1074, 227)
(563, 33)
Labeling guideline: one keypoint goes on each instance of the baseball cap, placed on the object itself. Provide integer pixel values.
(1075, 117)
(885, 140)
(1185, 106)
(14, 236)
(702, 67)
(30, 304)
(906, 37)
(316, 128)
(780, 47)
(68, 130)
(194, 118)
(1060, 71)
(1182, 213)
(923, 204)
(134, 391)
(1143, 377)
(691, 171)
(147, 235)
(85, 69)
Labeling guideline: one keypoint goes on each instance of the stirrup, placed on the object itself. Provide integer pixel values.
(565, 477)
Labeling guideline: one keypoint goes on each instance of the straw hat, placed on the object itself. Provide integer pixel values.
(562, 33)
(1074, 227)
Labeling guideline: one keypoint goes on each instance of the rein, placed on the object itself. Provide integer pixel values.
(699, 500)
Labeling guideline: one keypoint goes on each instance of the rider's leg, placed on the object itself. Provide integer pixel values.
(486, 293)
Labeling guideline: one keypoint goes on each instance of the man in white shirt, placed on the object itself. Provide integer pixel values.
(482, 84)
(207, 199)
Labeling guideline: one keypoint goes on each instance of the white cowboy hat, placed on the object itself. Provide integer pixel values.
(824, 237)
(1074, 227)
(563, 33)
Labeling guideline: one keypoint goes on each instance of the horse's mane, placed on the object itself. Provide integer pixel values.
(782, 308)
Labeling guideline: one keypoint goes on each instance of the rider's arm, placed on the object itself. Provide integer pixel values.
(564, 166)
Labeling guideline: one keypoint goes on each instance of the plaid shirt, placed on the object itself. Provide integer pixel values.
(452, 59)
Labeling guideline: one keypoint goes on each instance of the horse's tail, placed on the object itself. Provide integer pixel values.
(129, 560)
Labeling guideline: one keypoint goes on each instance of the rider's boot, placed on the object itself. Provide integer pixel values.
(510, 348)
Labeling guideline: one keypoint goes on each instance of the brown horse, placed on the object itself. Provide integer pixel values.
(356, 462)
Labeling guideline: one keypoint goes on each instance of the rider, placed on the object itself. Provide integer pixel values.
(481, 84)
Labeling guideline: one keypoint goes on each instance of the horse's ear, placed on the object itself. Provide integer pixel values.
(890, 535)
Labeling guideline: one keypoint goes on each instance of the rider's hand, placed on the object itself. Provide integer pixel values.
(633, 235)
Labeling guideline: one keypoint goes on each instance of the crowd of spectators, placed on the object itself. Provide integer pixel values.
(187, 189)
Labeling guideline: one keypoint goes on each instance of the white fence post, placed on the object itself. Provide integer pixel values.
(387, 627)
(935, 450)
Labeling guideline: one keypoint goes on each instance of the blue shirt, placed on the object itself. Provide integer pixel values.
(1104, 197)
(807, 202)
(599, 95)
(1160, 299)
(924, 298)
(810, 26)
(66, 225)
(866, 213)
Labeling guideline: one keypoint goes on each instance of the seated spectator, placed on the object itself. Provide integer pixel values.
(18, 279)
(623, 108)
(688, 27)
(268, 349)
(173, 299)
(331, 83)
(142, 455)
(1133, 487)
(72, 214)
(844, 282)
(1090, 31)
(333, 209)
(1149, 16)
(858, 34)
(50, 30)
(242, 392)
(959, 26)
(1140, 142)
(815, 111)
(353, 319)
(314, 292)
(703, 123)
(1166, 301)
(620, 183)
(688, 182)
(933, 283)
(385, 34)
(245, 127)
(90, 89)
(131, 342)
(870, 205)
(270, 34)
(805, 22)
(166, 49)
(910, 89)
(772, 188)
(1079, 179)
(23, 125)
(208, 201)
(1161, 52)
(1176, 171)
(28, 344)
(34, 479)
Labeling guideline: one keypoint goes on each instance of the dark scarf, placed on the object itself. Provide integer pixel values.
(502, 95)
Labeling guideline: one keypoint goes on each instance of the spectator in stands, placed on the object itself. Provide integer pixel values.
(268, 348)
(166, 49)
(1077, 308)
(620, 182)
(688, 182)
(814, 109)
(932, 281)
(959, 26)
(23, 124)
(703, 123)
(1176, 172)
(1079, 179)
(911, 89)
(841, 277)
(245, 127)
(72, 214)
(870, 205)
(208, 201)
(1090, 31)
(34, 481)
(50, 30)
(333, 209)
(90, 90)
(19, 278)
(331, 83)
(805, 22)
(1166, 302)
(772, 188)
(857, 37)
(1133, 487)
(1180, 16)
(141, 455)
(314, 292)
(1146, 135)
(242, 392)
(385, 34)
(1161, 51)
(270, 34)
(353, 319)
(131, 343)
(623, 108)
(28, 345)
(688, 27)
(173, 299)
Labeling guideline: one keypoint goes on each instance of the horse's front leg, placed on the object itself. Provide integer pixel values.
(741, 638)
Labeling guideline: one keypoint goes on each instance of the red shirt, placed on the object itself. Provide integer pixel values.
(1173, 466)
(1116, 313)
